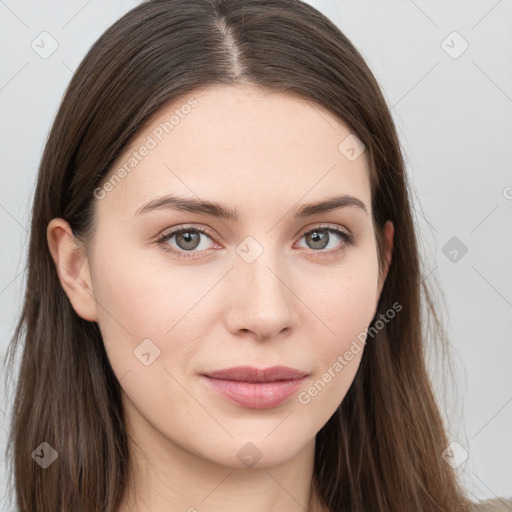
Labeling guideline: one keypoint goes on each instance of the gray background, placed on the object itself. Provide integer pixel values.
(453, 111)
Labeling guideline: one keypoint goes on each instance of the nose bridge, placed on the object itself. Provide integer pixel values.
(263, 302)
(262, 272)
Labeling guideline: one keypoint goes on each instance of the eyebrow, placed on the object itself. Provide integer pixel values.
(214, 209)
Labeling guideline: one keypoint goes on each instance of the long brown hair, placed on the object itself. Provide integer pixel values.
(382, 449)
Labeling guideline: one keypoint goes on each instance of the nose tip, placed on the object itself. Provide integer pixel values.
(270, 335)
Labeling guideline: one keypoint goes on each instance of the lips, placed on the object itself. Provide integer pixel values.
(250, 374)
(255, 389)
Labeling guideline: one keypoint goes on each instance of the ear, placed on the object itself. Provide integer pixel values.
(389, 233)
(72, 268)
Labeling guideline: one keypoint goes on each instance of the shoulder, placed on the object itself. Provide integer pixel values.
(494, 505)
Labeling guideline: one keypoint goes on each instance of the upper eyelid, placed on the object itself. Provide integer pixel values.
(173, 231)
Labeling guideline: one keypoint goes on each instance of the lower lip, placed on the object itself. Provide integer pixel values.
(255, 395)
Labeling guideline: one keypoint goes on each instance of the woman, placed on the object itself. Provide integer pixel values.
(223, 295)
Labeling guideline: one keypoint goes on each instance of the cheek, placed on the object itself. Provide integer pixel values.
(139, 301)
(346, 307)
(344, 302)
(348, 312)
(345, 297)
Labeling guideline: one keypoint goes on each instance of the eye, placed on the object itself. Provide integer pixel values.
(327, 237)
(188, 239)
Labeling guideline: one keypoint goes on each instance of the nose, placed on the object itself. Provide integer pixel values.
(261, 299)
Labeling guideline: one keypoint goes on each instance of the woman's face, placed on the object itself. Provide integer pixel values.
(263, 289)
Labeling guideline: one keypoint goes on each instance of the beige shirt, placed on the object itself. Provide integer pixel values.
(494, 505)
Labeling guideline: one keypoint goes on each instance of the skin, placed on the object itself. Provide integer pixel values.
(265, 154)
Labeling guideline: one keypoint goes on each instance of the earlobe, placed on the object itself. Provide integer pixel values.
(72, 268)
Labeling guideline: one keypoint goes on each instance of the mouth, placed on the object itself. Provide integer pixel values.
(253, 388)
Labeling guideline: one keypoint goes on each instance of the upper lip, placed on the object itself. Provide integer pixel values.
(250, 374)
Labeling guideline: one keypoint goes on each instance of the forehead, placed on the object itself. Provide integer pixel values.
(239, 142)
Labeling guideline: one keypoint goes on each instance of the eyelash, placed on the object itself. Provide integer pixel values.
(347, 240)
